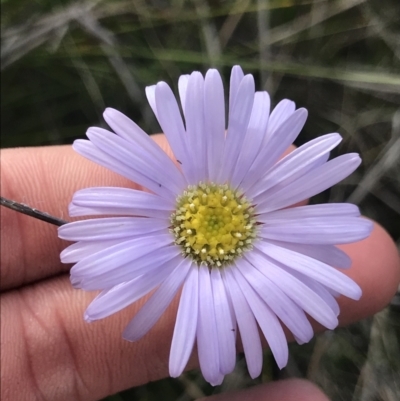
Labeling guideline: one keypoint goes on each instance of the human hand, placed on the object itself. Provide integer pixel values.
(51, 353)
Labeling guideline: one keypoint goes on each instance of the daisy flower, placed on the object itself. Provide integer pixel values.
(216, 226)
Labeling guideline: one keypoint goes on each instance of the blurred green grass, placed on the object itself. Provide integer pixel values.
(64, 61)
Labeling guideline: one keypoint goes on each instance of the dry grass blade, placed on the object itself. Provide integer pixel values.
(18, 41)
(389, 159)
(232, 21)
(300, 24)
(209, 31)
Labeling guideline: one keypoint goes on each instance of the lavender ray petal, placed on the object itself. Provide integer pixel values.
(108, 277)
(254, 137)
(318, 289)
(120, 254)
(323, 210)
(127, 129)
(144, 162)
(80, 250)
(87, 149)
(282, 111)
(182, 87)
(239, 117)
(152, 310)
(207, 339)
(296, 164)
(274, 147)
(267, 321)
(235, 80)
(114, 200)
(194, 117)
(302, 295)
(214, 117)
(171, 123)
(310, 184)
(298, 341)
(289, 312)
(247, 324)
(334, 293)
(151, 98)
(185, 325)
(328, 254)
(318, 231)
(75, 210)
(225, 330)
(113, 300)
(110, 228)
(319, 271)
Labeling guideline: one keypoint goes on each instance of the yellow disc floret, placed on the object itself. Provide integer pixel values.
(213, 224)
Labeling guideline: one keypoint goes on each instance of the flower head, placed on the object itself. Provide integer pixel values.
(216, 224)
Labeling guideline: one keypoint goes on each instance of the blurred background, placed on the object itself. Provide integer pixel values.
(64, 61)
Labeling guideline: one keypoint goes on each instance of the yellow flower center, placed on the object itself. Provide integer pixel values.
(213, 224)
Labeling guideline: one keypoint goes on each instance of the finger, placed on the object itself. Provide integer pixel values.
(44, 178)
(284, 390)
(46, 342)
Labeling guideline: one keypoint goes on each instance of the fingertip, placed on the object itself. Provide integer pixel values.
(376, 269)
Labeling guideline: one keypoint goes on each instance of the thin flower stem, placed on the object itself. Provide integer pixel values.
(37, 214)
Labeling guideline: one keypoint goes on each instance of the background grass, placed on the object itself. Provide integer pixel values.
(64, 61)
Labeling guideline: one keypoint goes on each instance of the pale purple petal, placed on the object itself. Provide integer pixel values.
(239, 117)
(290, 314)
(120, 296)
(247, 324)
(114, 200)
(151, 98)
(307, 299)
(274, 147)
(194, 117)
(315, 269)
(225, 329)
(318, 289)
(121, 253)
(152, 310)
(296, 163)
(235, 81)
(127, 129)
(334, 293)
(108, 275)
(328, 254)
(75, 252)
(168, 176)
(267, 321)
(214, 118)
(75, 211)
(207, 335)
(90, 151)
(110, 228)
(171, 123)
(254, 137)
(319, 231)
(282, 111)
(182, 87)
(185, 325)
(309, 184)
(323, 210)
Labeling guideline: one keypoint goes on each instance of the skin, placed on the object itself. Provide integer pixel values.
(52, 354)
